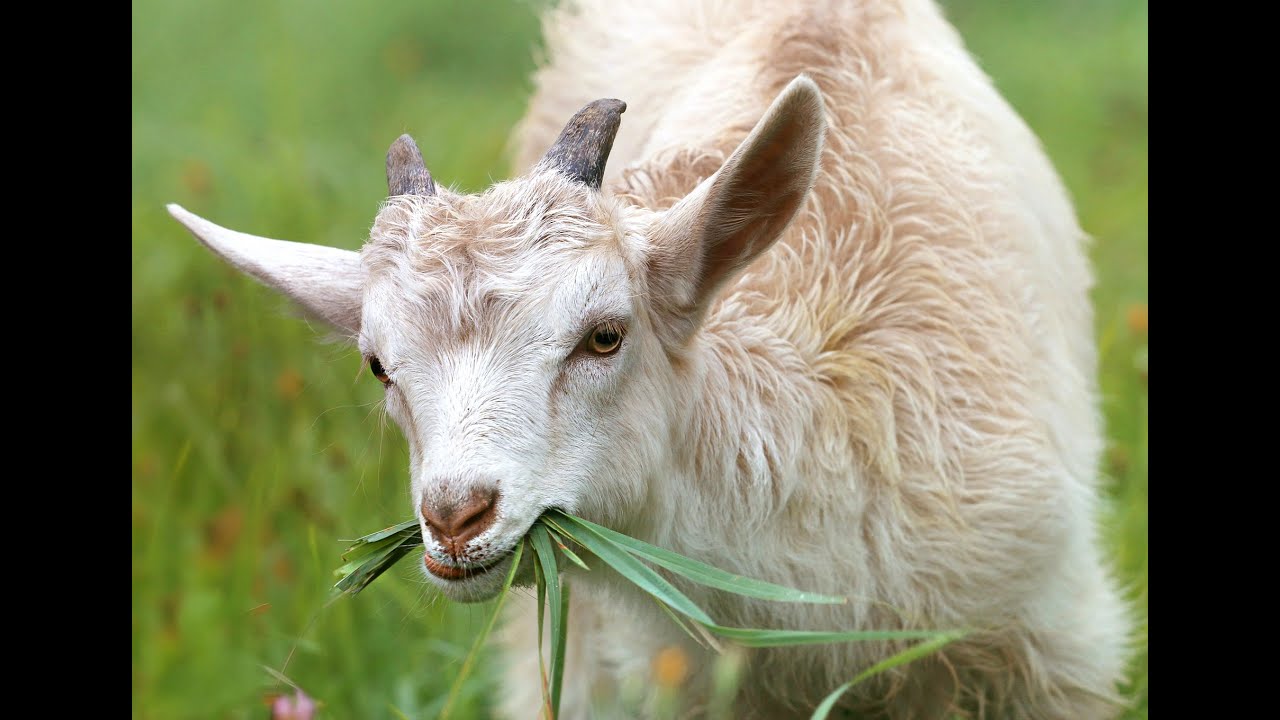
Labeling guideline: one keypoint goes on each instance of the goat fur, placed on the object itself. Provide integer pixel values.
(919, 426)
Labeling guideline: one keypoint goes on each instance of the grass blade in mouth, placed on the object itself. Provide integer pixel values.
(699, 572)
(541, 541)
(560, 625)
(639, 574)
(386, 533)
(370, 567)
(370, 556)
(564, 548)
(540, 580)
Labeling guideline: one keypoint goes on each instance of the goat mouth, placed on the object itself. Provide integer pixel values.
(452, 572)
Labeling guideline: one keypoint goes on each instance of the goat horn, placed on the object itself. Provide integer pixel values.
(406, 173)
(582, 149)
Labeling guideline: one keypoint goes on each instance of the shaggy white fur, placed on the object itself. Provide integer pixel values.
(857, 356)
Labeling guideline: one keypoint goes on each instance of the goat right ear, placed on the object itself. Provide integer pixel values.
(741, 210)
(327, 282)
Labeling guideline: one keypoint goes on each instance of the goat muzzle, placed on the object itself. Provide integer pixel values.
(455, 524)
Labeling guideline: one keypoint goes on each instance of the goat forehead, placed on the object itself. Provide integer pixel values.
(508, 220)
(542, 297)
(512, 230)
(536, 251)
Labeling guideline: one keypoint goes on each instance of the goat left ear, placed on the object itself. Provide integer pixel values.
(327, 282)
(740, 211)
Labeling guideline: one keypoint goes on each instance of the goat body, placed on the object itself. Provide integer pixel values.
(855, 355)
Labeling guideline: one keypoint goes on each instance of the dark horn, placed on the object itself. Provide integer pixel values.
(406, 173)
(582, 149)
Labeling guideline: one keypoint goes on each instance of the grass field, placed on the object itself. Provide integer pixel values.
(257, 446)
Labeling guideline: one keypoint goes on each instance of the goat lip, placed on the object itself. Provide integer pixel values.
(450, 572)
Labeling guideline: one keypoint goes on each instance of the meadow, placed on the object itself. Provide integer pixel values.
(258, 446)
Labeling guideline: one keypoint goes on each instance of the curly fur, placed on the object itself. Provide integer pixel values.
(897, 402)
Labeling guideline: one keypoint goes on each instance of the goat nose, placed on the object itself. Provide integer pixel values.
(456, 524)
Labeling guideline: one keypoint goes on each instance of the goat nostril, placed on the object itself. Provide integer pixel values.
(456, 524)
(476, 512)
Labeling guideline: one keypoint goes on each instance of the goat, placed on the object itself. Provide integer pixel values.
(823, 320)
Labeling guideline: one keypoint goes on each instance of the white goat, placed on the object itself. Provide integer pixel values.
(824, 322)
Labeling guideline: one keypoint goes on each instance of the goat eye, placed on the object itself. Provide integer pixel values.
(604, 339)
(375, 367)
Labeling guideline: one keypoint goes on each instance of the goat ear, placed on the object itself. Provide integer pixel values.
(327, 282)
(740, 211)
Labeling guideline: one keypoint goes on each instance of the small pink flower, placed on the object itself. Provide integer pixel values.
(298, 707)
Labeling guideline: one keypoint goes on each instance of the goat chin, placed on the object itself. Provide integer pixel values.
(478, 585)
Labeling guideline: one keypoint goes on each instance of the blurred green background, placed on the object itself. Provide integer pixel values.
(258, 446)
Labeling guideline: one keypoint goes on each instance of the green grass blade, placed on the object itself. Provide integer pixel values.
(356, 555)
(406, 526)
(643, 576)
(560, 627)
(361, 550)
(915, 652)
(550, 576)
(564, 548)
(467, 664)
(749, 637)
(540, 580)
(370, 568)
(280, 677)
(360, 556)
(700, 572)
(680, 622)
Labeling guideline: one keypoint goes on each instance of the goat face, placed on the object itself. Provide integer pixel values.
(528, 336)
(518, 360)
